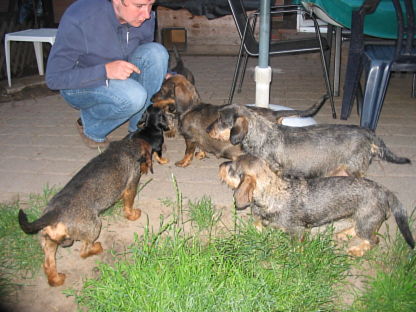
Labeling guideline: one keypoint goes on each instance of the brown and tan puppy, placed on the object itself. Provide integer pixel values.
(311, 151)
(179, 95)
(293, 205)
(73, 213)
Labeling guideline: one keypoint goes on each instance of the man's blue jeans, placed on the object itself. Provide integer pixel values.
(105, 108)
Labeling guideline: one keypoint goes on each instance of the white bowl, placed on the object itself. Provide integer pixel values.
(292, 121)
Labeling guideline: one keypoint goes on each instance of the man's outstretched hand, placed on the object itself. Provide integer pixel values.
(120, 69)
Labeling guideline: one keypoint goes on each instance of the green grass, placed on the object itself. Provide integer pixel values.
(238, 270)
(250, 271)
(241, 269)
(392, 286)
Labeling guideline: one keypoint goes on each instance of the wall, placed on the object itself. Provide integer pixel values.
(204, 36)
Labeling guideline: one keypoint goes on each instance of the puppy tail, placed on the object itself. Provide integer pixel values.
(179, 63)
(37, 225)
(314, 109)
(400, 216)
(309, 112)
(386, 154)
(177, 55)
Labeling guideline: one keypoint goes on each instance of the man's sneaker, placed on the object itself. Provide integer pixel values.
(87, 141)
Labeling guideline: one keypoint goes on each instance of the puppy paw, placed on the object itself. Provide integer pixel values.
(56, 279)
(134, 215)
(200, 155)
(360, 249)
(162, 160)
(182, 163)
(96, 248)
(170, 133)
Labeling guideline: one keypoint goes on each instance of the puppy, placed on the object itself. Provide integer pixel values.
(154, 123)
(293, 205)
(73, 213)
(179, 95)
(176, 95)
(180, 67)
(312, 151)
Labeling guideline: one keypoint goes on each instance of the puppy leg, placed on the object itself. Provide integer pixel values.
(346, 234)
(51, 237)
(161, 160)
(90, 249)
(189, 154)
(170, 133)
(200, 155)
(367, 232)
(49, 266)
(128, 201)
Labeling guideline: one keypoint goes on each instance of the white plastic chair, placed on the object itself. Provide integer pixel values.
(37, 36)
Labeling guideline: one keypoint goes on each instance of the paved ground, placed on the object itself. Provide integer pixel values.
(40, 146)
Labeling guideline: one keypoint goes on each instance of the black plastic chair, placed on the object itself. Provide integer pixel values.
(250, 46)
(378, 61)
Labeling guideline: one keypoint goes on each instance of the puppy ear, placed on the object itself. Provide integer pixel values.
(239, 130)
(185, 96)
(243, 195)
(143, 120)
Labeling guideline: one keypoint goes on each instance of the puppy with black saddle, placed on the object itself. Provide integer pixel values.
(73, 213)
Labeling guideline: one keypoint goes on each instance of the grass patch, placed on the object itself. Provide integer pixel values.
(392, 287)
(237, 270)
(21, 254)
(250, 271)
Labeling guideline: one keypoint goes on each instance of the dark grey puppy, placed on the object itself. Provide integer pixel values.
(312, 151)
(296, 204)
(180, 67)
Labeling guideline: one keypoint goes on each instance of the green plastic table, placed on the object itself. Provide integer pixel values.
(382, 23)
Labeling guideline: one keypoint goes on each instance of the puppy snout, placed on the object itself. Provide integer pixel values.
(242, 206)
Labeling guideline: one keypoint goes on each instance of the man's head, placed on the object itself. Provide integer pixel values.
(133, 12)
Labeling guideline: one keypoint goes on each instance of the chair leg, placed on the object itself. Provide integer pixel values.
(375, 91)
(352, 79)
(236, 70)
(354, 64)
(325, 69)
(359, 99)
(243, 73)
(414, 86)
(328, 53)
(337, 59)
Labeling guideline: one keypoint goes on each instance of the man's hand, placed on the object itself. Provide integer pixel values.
(120, 70)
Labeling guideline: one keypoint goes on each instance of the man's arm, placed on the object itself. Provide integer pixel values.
(63, 70)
